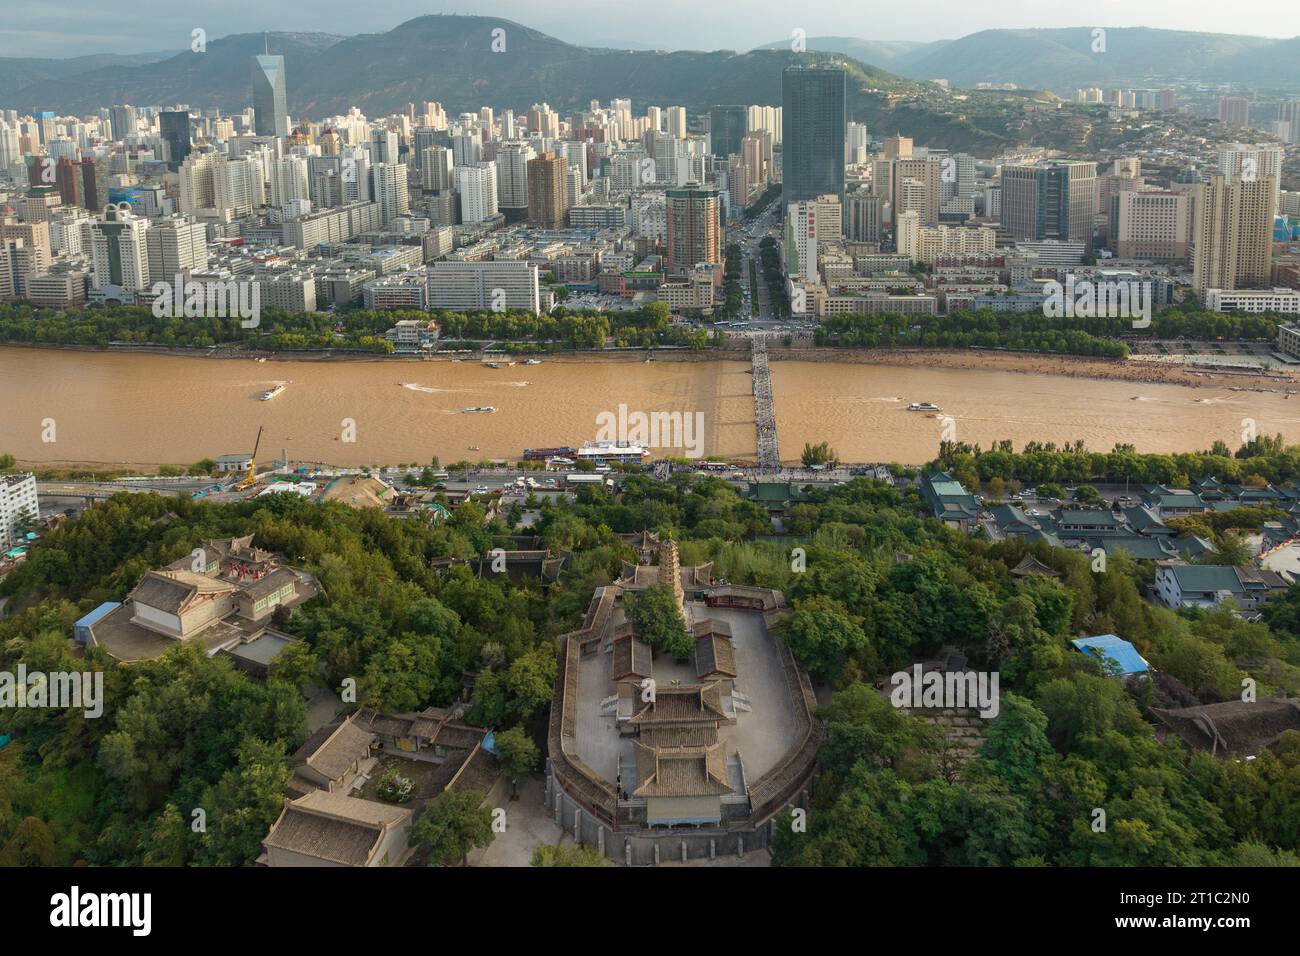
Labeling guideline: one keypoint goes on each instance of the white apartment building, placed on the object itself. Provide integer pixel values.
(1285, 301)
(477, 186)
(118, 252)
(17, 499)
(390, 190)
(477, 286)
(1249, 162)
(175, 245)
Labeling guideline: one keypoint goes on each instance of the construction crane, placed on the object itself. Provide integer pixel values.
(252, 463)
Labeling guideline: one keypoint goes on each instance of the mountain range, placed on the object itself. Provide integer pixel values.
(1062, 60)
(448, 58)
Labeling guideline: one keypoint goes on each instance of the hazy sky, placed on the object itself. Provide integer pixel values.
(75, 27)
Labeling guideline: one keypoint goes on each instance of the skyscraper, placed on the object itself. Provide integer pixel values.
(174, 126)
(694, 232)
(122, 119)
(812, 135)
(1233, 233)
(727, 124)
(512, 179)
(1253, 162)
(1053, 200)
(548, 191)
(477, 186)
(1234, 110)
(270, 112)
(390, 190)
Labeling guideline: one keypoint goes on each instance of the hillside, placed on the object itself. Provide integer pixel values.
(1062, 60)
(450, 59)
(218, 77)
(19, 72)
(887, 54)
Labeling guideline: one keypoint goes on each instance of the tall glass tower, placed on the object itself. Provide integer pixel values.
(270, 114)
(812, 133)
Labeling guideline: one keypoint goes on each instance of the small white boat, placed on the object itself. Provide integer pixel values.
(479, 408)
(923, 407)
(273, 391)
(532, 361)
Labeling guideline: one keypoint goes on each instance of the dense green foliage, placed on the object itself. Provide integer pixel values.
(1016, 331)
(656, 618)
(1265, 458)
(884, 586)
(352, 329)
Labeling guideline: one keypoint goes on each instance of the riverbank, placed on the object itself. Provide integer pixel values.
(1149, 371)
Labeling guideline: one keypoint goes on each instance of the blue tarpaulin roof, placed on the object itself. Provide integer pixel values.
(1110, 647)
(97, 613)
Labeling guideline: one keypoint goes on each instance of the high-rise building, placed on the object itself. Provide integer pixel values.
(907, 233)
(1233, 235)
(694, 228)
(119, 253)
(924, 193)
(390, 190)
(383, 145)
(174, 127)
(864, 217)
(9, 151)
(756, 153)
(855, 144)
(1253, 162)
(1150, 224)
(467, 147)
(270, 109)
(813, 113)
(1288, 112)
(675, 124)
(727, 124)
(898, 147)
(512, 179)
(289, 181)
(436, 168)
(123, 121)
(477, 186)
(175, 245)
(1234, 111)
(548, 191)
(804, 230)
(19, 507)
(1052, 200)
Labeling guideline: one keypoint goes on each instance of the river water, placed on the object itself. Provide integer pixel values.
(135, 408)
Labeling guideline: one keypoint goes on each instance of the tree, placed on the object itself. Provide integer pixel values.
(1230, 549)
(244, 803)
(819, 454)
(821, 633)
(1087, 495)
(658, 621)
(452, 824)
(32, 844)
(296, 665)
(517, 753)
